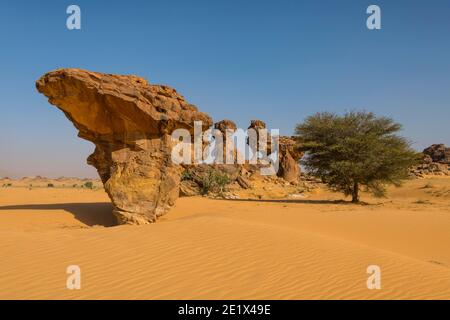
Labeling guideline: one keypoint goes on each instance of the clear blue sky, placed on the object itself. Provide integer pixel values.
(278, 61)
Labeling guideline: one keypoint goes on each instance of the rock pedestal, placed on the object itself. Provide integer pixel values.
(130, 122)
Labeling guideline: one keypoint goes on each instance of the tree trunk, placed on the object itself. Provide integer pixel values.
(355, 193)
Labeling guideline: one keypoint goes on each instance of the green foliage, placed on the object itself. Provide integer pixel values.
(215, 181)
(88, 185)
(186, 175)
(355, 150)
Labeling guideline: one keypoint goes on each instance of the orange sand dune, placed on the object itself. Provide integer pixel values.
(313, 248)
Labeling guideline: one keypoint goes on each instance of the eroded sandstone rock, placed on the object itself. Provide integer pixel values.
(435, 160)
(227, 129)
(130, 122)
(288, 155)
(289, 160)
(225, 125)
(439, 153)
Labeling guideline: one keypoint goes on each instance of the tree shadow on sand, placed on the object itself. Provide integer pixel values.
(303, 201)
(91, 214)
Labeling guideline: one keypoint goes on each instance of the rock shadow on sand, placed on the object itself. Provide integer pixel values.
(91, 214)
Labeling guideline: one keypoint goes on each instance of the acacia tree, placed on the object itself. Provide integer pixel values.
(355, 150)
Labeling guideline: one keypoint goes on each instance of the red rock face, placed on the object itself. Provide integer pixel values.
(130, 123)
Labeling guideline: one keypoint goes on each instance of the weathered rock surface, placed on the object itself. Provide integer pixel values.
(189, 188)
(257, 125)
(225, 125)
(289, 157)
(435, 161)
(227, 128)
(130, 122)
(289, 160)
(438, 153)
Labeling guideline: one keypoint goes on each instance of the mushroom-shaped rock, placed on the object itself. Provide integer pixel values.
(227, 128)
(257, 124)
(225, 125)
(289, 157)
(130, 122)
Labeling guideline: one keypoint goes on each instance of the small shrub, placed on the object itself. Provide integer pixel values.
(422, 202)
(186, 175)
(89, 185)
(50, 185)
(215, 181)
(75, 185)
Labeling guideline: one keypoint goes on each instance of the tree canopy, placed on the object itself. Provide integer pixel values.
(355, 150)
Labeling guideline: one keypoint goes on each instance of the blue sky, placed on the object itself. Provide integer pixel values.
(278, 61)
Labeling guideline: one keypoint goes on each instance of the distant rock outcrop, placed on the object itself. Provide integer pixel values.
(438, 153)
(130, 122)
(435, 161)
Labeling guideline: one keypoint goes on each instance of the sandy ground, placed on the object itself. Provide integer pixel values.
(309, 248)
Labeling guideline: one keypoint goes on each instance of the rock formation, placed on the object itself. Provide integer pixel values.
(289, 160)
(289, 169)
(288, 156)
(259, 125)
(195, 176)
(227, 128)
(224, 125)
(438, 153)
(130, 123)
(435, 161)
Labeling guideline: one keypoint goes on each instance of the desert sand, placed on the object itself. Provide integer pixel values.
(310, 247)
